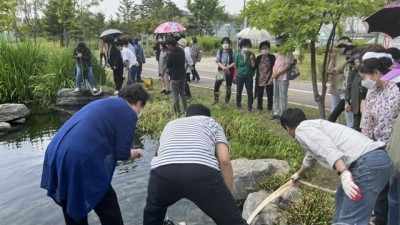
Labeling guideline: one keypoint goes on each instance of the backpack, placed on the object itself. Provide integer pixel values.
(196, 54)
(199, 55)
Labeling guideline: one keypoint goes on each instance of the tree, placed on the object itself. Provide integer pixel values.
(126, 11)
(204, 12)
(301, 21)
(30, 10)
(83, 14)
(7, 14)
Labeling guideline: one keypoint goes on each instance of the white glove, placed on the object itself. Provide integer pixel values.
(349, 187)
(295, 177)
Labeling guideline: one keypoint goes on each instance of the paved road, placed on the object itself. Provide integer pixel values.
(299, 92)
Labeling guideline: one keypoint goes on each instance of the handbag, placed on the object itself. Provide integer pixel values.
(294, 71)
(220, 75)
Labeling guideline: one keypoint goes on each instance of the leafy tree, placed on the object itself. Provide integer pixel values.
(83, 15)
(204, 12)
(126, 11)
(31, 9)
(301, 21)
(7, 14)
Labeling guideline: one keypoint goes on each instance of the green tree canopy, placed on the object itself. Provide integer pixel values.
(206, 13)
(7, 14)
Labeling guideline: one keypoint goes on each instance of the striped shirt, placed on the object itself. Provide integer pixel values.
(190, 140)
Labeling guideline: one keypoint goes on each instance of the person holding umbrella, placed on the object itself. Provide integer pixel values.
(80, 160)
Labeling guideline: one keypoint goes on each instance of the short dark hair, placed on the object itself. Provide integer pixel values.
(194, 39)
(125, 33)
(245, 41)
(282, 37)
(382, 64)
(134, 93)
(263, 44)
(345, 38)
(395, 52)
(125, 41)
(171, 41)
(109, 39)
(349, 47)
(292, 117)
(164, 44)
(119, 43)
(226, 39)
(198, 110)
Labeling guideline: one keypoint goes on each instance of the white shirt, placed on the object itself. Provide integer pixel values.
(190, 140)
(127, 54)
(328, 142)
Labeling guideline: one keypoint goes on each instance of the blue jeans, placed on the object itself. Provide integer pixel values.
(132, 75)
(371, 172)
(248, 82)
(394, 201)
(79, 75)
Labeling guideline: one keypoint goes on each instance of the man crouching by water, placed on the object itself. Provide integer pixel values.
(363, 165)
(192, 162)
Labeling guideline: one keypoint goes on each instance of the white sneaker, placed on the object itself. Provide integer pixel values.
(116, 92)
(94, 89)
(76, 90)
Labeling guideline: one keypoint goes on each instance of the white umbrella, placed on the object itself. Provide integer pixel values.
(254, 34)
(110, 32)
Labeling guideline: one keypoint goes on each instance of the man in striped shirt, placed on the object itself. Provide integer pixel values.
(192, 162)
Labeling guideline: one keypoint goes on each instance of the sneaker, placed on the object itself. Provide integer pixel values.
(215, 103)
(259, 112)
(163, 91)
(94, 89)
(249, 110)
(76, 90)
(238, 108)
(140, 81)
(116, 92)
(274, 117)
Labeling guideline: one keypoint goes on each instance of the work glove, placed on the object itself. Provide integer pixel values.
(349, 187)
(295, 177)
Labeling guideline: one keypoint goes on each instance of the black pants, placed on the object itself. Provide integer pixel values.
(269, 89)
(217, 86)
(118, 78)
(337, 111)
(195, 73)
(246, 82)
(382, 207)
(103, 56)
(107, 209)
(200, 184)
(139, 71)
(357, 121)
(187, 87)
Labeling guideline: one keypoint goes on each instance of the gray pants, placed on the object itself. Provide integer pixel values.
(178, 89)
(280, 96)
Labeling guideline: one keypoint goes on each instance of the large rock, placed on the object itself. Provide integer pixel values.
(9, 112)
(271, 214)
(67, 97)
(4, 126)
(248, 173)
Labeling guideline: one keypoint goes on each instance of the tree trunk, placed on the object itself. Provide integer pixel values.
(317, 97)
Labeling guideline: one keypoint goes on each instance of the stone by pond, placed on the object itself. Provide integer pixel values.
(12, 114)
(23, 202)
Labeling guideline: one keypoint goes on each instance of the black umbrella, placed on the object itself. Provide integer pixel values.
(385, 20)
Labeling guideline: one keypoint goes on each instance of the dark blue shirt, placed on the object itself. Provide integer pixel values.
(81, 158)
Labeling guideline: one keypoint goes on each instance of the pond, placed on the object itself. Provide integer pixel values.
(23, 202)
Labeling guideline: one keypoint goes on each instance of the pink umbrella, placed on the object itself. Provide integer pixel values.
(169, 27)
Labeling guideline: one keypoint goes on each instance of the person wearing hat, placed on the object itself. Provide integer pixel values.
(382, 107)
(393, 147)
(177, 74)
(339, 71)
(188, 66)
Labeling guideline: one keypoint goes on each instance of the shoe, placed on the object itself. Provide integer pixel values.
(94, 89)
(274, 117)
(249, 110)
(116, 92)
(76, 90)
(259, 112)
(163, 91)
(270, 113)
(140, 81)
(215, 103)
(198, 80)
(238, 108)
(167, 92)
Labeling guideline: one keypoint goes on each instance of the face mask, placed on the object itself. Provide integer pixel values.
(369, 84)
(225, 46)
(160, 39)
(357, 62)
(245, 50)
(341, 50)
(264, 52)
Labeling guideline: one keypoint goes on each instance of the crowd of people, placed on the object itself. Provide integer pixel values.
(192, 160)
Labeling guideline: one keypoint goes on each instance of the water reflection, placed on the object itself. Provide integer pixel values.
(23, 202)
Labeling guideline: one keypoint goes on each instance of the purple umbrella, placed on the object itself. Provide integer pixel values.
(385, 20)
(169, 27)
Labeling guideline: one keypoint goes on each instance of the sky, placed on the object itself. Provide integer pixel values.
(109, 7)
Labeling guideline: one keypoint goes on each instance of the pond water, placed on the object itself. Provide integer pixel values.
(23, 202)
